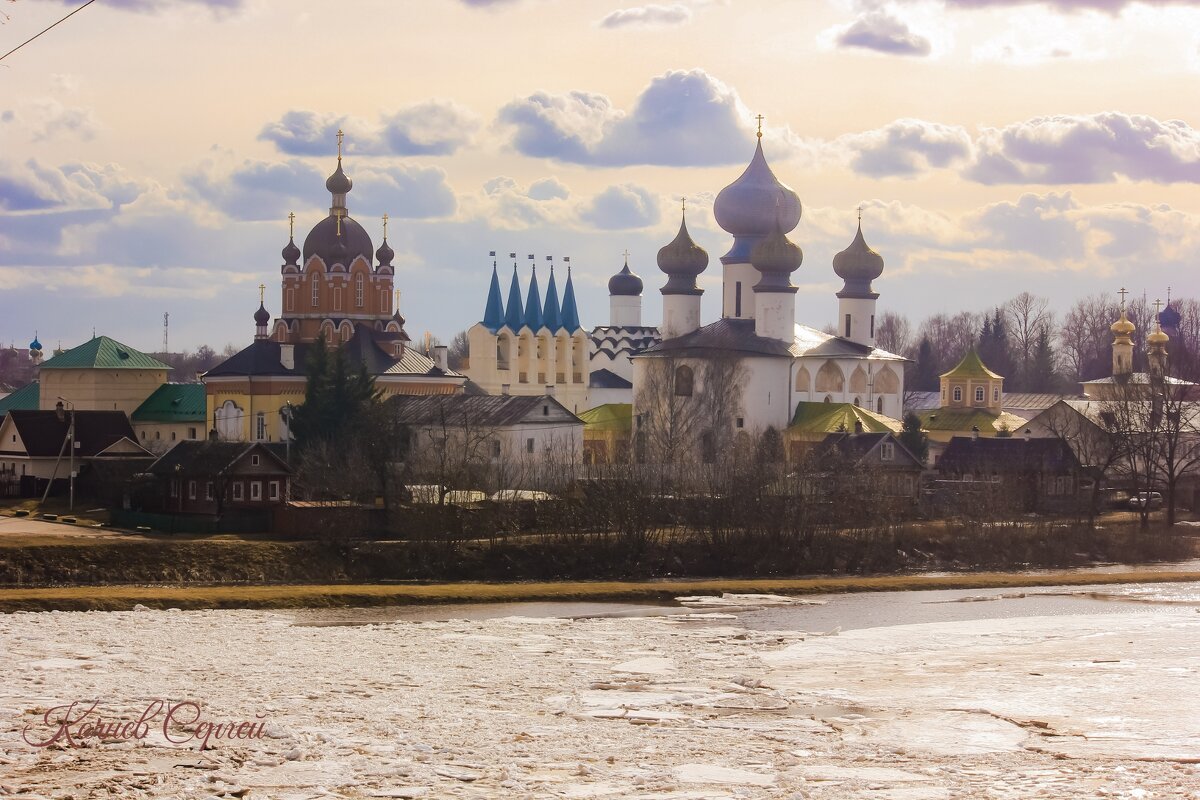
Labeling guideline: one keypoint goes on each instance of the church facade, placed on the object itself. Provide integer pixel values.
(336, 290)
(755, 365)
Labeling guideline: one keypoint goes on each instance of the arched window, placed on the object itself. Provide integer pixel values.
(827, 399)
(316, 289)
(995, 394)
(979, 395)
(879, 405)
(358, 290)
(708, 447)
(858, 402)
(803, 380)
(683, 381)
(958, 394)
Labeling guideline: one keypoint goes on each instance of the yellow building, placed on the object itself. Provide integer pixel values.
(100, 375)
(972, 404)
(331, 291)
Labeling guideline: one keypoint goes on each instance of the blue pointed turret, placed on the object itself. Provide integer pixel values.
(533, 304)
(514, 317)
(493, 315)
(570, 312)
(552, 314)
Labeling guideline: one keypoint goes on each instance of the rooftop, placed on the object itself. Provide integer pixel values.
(173, 402)
(811, 417)
(102, 352)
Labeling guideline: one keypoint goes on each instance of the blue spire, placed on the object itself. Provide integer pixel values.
(533, 304)
(570, 312)
(514, 318)
(552, 316)
(493, 315)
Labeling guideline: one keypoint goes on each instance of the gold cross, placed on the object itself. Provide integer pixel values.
(1157, 306)
(397, 308)
(339, 138)
(627, 257)
(262, 287)
(860, 210)
(1123, 292)
(338, 217)
(683, 204)
(385, 219)
(291, 224)
(760, 119)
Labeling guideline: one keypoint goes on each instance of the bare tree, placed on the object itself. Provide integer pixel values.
(951, 336)
(458, 350)
(1026, 315)
(892, 332)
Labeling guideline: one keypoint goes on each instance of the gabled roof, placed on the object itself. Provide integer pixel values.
(856, 446)
(463, 410)
(607, 379)
(971, 367)
(43, 433)
(210, 458)
(102, 352)
(964, 419)
(27, 398)
(839, 417)
(261, 357)
(173, 402)
(608, 417)
(738, 336)
(967, 455)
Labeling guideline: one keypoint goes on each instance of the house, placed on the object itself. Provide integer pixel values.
(607, 433)
(37, 446)
(101, 374)
(878, 458)
(175, 412)
(814, 422)
(1021, 474)
(490, 428)
(214, 477)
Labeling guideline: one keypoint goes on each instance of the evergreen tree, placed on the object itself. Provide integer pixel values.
(912, 437)
(925, 376)
(1041, 367)
(337, 397)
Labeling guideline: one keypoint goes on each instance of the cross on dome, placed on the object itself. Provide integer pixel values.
(760, 119)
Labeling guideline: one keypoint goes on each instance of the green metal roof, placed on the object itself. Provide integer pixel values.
(963, 419)
(27, 398)
(608, 417)
(102, 352)
(173, 402)
(972, 366)
(813, 417)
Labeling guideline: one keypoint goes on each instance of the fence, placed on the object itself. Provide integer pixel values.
(253, 522)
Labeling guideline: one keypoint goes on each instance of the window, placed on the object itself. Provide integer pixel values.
(740, 422)
(256, 490)
(358, 290)
(316, 289)
(208, 490)
(708, 447)
(273, 490)
(174, 488)
(260, 428)
(827, 399)
(191, 433)
(529, 445)
(979, 394)
(858, 402)
(239, 491)
(995, 394)
(158, 434)
(495, 448)
(847, 334)
(684, 380)
(872, 326)
(291, 299)
(958, 394)
(143, 437)
(255, 460)
(191, 490)
(172, 436)
(887, 452)
(737, 299)
(546, 410)
(879, 405)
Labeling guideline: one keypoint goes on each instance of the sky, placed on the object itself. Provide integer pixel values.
(150, 150)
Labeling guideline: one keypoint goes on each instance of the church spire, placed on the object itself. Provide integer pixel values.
(533, 303)
(514, 315)
(339, 183)
(493, 314)
(570, 311)
(552, 313)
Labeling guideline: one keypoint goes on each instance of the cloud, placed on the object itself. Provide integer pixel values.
(1110, 6)
(32, 186)
(155, 6)
(680, 119)
(906, 147)
(1096, 148)
(434, 127)
(622, 207)
(258, 190)
(406, 191)
(648, 16)
(549, 189)
(1037, 224)
(883, 33)
(47, 119)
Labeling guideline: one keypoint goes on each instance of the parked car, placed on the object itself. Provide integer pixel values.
(1151, 500)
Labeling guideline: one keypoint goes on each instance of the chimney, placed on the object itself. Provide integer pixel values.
(858, 426)
(550, 390)
(975, 433)
(441, 354)
(1028, 434)
(504, 388)
(287, 356)
(213, 435)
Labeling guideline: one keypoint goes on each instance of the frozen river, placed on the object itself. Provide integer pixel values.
(1080, 692)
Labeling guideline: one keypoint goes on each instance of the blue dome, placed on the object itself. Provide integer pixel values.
(35, 344)
(753, 205)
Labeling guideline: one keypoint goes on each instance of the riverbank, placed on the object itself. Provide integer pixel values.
(123, 598)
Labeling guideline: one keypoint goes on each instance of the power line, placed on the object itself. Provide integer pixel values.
(36, 35)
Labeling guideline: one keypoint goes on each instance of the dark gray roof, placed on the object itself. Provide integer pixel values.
(857, 445)
(464, 410)
(43, 433)
(966, 455)
(261, 357)
(607, 379)
(210, 458)
(323, 238)
(724, 335)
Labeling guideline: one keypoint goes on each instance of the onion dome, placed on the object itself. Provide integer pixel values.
(385, 254)
(262, 316)
(858, 265)
(776, 258)
(1169, 318)
(323, 241)
(1123, 327)
(1157, 337)
(625, 283)
(339, 252)
(682, 260)
(750, 207)
(35, 344)
(291, 253)
(339, 182)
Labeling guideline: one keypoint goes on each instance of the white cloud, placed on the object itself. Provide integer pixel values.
(648, 16)
(434, 127)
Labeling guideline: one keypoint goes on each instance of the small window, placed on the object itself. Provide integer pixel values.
(273, 490)
(158, 434)
(879, 405)
(546, 410)
(191, 490)
(827, 399)
(979, 396)
(529, 445)
(174, 488)
(143, 437)
(858, 402)
(316, 290)
(737, 299)
(239, 491)
(358, 290)
(958, 394)
(495, 448)
(887, 452)
(172, 436)
(995, 394)
(191, 433)
(741, 422)
(684, 381)
(208, 490)
(255, 459)
(872, 326)
(260, 428)
(256, 490)
(847, 326)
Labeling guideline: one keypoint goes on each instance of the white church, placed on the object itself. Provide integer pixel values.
(783, 364)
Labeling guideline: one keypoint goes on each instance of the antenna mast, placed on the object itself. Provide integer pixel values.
(166, 323)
